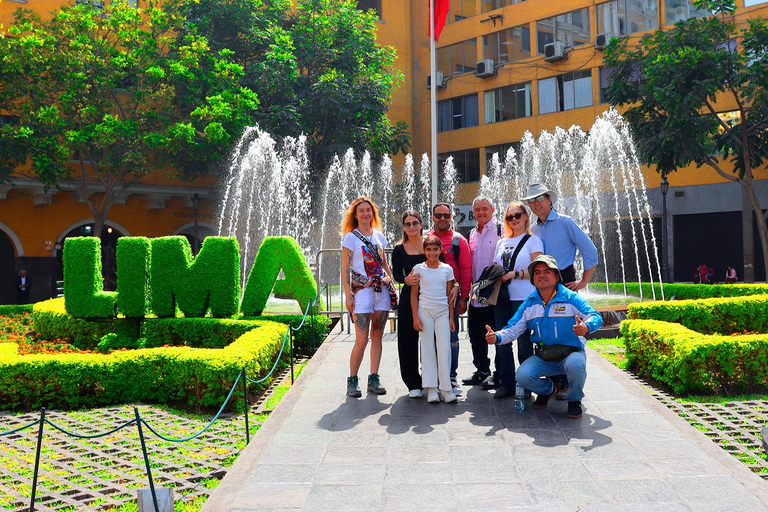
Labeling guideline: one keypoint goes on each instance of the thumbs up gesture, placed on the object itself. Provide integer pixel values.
(490, 336)
(580, 329)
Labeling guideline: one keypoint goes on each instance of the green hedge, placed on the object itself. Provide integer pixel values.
(278, 253)
(212, 279)
(685, 291)
(133, 257)
(690, 362)
(52, 321)
(85, 295)
(709, 316)
(201, 377)
(15, 309)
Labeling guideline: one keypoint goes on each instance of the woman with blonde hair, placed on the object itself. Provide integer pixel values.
(514, 252)
(367, 282)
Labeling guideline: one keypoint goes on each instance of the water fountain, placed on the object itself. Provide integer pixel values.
(596, 175)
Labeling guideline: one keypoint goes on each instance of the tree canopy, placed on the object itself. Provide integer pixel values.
(696, 93)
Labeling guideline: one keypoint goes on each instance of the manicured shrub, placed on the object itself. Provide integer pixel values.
(133, 255)
(690, 362)
(212, 279)
(278, 253)
(684, 290)
(51, 321)
(200, 377)
(303, 343)
(114, 341)
(195, 332)
(15, 309)
(85, 295)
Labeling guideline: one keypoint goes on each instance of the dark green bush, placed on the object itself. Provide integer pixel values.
(133, 256)
(15, 309)
(51, 321)
(114, 341)
(85, 295)
(195, 332)
(210, 280)
(278, 253)
(684, 290)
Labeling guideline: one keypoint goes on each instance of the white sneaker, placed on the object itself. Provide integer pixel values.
(415, 393)
(432, 396)
(457, 391)
(448, 396)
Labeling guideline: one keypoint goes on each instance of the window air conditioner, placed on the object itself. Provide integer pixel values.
(554, 51)
(602, 40)
(440, 80)
(485, 68)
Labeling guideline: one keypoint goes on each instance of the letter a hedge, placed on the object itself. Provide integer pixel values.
(193, 284)
(276, 253)
(85, 296)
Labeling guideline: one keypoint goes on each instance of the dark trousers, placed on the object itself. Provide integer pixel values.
(505, 362)
(568, 274)
(477, 319)
(407, 342)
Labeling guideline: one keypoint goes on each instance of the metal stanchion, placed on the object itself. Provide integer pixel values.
(247, 406)
(37, 460)
(146, 459)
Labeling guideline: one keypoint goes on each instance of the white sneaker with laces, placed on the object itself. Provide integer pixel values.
(448, 396)
(415, 393)
(432, 396)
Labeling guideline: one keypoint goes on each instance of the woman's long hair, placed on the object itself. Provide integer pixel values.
(411, 213)
(508, 227)
(349, 222)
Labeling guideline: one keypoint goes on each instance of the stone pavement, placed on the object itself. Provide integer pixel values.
(320, 450)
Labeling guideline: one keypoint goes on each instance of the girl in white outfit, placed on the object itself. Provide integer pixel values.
(434, 320)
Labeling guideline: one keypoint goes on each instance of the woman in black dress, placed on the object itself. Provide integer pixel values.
(408, 253)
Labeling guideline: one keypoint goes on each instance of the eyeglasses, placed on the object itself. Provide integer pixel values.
(413, 224)
(539, 199)
(514, 216)
(441, 215)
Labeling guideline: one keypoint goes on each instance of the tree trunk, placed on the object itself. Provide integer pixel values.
(762, 227)
(747, 237)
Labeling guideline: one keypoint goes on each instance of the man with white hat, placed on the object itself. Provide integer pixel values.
(558, 319)
(561, 236)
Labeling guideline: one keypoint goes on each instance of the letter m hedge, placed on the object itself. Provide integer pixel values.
(195, 284)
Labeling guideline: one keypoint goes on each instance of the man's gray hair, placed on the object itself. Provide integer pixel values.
(482, 198)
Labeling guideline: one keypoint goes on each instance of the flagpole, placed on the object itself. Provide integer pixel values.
(433, 97)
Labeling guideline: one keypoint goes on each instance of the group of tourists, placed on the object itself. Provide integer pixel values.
(514, 278)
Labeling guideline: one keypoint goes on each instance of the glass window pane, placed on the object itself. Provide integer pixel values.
(444, 118)
(469, 49)
(635, 16)
(491, 47)
(563, 29)
(523, 51)
(471, 116)
(548, 96)
(747, 3)
(443, 60)
(457, 109)
(506, 48)
(675, 10)
(580, 25)
(489, 107)
(582, 87)
(651, 14)
(545, 34)
(456, 63)
(608, 19)
(473, 164)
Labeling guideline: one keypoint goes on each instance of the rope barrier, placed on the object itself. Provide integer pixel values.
(277, 360)
(93, 436)
(18, 429)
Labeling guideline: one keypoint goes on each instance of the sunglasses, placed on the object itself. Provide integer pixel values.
(413, 224)
(514, 216)
(539, 199)
(441, 215)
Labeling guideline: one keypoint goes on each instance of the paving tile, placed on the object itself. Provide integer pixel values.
(685, 468)
(285, 473)
(339, 454)
(419, 496)
(292, 455)
(415, 436)
(345, 474)
(495, 495)
(704, 492)
(573, 494)
(344, 497)
(668, 449)
(425, 473)
(601, 469)
(416, 453)
(358, 438)
(545, 471)
(271, 496)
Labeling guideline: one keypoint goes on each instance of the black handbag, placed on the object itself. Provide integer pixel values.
(554, 353)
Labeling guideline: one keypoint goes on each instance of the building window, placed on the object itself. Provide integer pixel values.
(572, 28)
(96, 4)
(748, 3)
(467, 164)
(457, 58)
(455, 113)
(460, 9)
(501, 150)
(605, 74)
(492, 5)
(565, 92)
(678, 10)
(509, 102)
(623, 17)
(367, 5)
(508, 45)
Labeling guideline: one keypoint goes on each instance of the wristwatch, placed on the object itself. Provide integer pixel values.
(517, 273)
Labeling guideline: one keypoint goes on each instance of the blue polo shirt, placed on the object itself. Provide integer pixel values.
(562, 236)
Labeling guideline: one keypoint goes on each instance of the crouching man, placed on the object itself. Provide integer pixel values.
(558, 319)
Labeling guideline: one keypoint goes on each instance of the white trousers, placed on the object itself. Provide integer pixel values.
(435, 343)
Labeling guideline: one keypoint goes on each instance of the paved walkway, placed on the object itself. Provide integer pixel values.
(320, 450)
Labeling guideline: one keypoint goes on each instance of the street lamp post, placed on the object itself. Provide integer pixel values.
(196, 206)
(664, 248)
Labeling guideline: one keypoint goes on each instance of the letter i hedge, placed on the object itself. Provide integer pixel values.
(133, 257)
(193, 284)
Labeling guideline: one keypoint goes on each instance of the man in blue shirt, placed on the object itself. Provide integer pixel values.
(558, 319)
(561, 236)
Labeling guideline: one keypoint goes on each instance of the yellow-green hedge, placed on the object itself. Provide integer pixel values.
(690, 362)
(685, 290)
(200, 377)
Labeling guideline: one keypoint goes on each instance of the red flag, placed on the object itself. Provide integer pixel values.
(441, 13)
